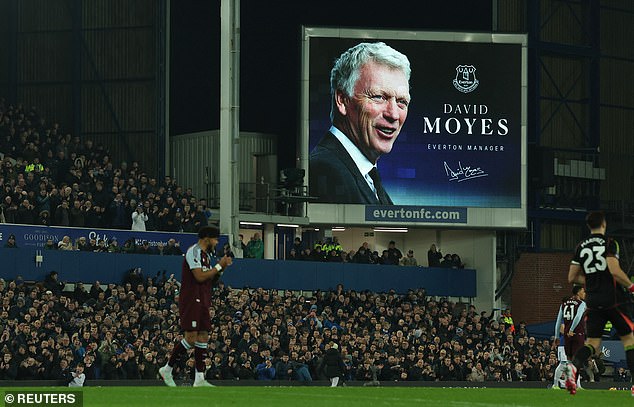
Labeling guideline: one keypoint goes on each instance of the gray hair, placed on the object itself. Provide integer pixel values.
(346, 71)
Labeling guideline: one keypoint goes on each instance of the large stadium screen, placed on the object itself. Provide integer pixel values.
(461, 143)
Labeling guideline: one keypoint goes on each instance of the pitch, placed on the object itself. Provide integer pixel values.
(341, 396)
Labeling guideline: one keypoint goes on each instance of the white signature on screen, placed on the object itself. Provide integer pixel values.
(464, 172)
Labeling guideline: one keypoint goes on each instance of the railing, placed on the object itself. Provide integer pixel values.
(264, 197)
(252, 196)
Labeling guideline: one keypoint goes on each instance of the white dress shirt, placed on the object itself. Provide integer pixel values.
(363, 164)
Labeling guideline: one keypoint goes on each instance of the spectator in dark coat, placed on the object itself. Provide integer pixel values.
(621, 375)
(62, 214)
(292, 255)
(82, 245)
(80, 293)
(43, 201)
(117, 212)
(447, 371)
(90, 370)
(18, 311)
(26, 213)
(394, 255)
(9, 209)
(214, 369)
(62, 372)
(297, 245)
(149, 368)
(334, 257)
(457, 262)
(415, 373)
(145, 248)
(112, 369)
(433, 256)
(332, 365)
(314, 255)
(28, 370)
(77, 214)
(362, 256)
(447, 262)
(172, 248)
(53, 284)
(245, 372)
(199, 219)
(95, 289)
(283, 369)
(8, 368)
(229, 368)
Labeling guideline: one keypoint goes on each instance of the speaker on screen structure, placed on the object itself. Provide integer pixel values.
(541, 166)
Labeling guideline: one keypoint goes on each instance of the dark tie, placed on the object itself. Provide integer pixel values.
(384, 199)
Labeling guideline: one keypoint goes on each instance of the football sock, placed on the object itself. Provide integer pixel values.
(579, 360)
(180, 348)
(199, 377)
(558, 372)
(200, 353)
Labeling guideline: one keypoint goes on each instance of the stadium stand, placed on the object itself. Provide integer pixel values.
(125, 331)
(49, 177)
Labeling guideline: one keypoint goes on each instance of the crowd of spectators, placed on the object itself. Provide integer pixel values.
(332, 251)
(126, 331)
(49, 177)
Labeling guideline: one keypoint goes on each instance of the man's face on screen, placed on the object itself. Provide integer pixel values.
(374, 115)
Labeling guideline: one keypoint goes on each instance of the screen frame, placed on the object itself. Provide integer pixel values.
(354, 214)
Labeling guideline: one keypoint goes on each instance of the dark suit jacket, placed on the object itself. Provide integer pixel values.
(335, 178)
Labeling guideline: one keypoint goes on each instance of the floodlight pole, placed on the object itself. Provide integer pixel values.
(229, 118)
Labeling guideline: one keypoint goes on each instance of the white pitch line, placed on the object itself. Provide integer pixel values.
(405, 400)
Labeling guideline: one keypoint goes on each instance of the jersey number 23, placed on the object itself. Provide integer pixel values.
(594, 259)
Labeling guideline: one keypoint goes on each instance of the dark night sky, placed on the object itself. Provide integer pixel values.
(270, 54)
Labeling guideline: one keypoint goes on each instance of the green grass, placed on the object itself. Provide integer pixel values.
(341, 396)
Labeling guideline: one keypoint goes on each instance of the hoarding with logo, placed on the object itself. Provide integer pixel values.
(35, 237)
(462, 144)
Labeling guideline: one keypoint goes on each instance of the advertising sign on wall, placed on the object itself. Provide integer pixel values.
(30, 236)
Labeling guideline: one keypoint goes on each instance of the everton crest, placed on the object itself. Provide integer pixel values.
(465, 80)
